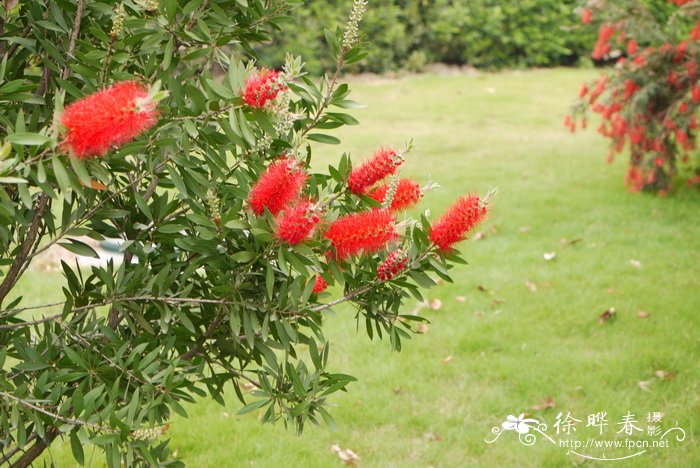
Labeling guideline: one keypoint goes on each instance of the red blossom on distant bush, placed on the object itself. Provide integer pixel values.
(382, 164)
(458, 220)
(296, 222)
(278, 186)
(107, 118)
(586, 16)
(364, 232)
(395, 263)
(407, 194)
(262, 87)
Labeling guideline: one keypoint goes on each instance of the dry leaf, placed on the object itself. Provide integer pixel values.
(482, 289)
(645, 384)
(225, 414)
(479, 235)
(347, 456)
(248, 387)
(498, 301)
(397, 390)
(422, 328)
(663, 375)
(635, 263)
(549, 256)
(460, 298)
(643, 314)
(432, 437)
(524, 229)
(531, 286)
(447, 359)
(571, 242)
(548, 402)
(607, 315)
(10, 4)
(436, 304)
(478, 314)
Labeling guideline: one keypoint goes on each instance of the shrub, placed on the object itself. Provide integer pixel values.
(117, 127)
(649, 100)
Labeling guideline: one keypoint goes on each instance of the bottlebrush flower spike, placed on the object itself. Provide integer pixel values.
(107, 118)
(407, 194)
(363, 232)
(384, 163)
(278, 186)
(320, 285)
(262, 87)
(457, 221)
(394, 264)
(296, 222)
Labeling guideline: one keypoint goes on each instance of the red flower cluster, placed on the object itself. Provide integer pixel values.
(278, 186)
(586, 16)
(407, 194)
(384, 163)
(662, 123)
(394, 264)
(457, 221)
(261, 88)
(107, 118)
(296, 222)
(320, 284)
(364, 232)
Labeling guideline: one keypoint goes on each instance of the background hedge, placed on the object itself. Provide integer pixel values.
(411, 33)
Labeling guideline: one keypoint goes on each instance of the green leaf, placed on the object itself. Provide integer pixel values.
(79, 248)
(77, 448)
(321, 138)
(28, 139)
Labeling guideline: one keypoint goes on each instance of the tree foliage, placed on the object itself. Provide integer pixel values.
(209, 294)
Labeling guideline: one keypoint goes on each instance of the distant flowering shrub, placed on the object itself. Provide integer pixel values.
(648, 101)
(135, 121)
(107, 118)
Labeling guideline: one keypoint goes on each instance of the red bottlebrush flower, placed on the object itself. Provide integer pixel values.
(457, 221)
(683, 108)
(695, 33)
(107, 118)
(672, 78)
(394, 264)
(637, 134)
(320, 285)
(365, 232)
(261, 88)
(277, 187)
(583, 91)
(695, 93)
(586, 16)
(296, 222)
(633, 180)
(632, 47)
(407, 194)
(631, 89)
(384, 163)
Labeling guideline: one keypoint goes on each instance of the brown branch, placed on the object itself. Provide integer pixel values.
(207, 333)
(27, 245)
(6, 457)
(37, 449)
(75, 31)
(15, 46)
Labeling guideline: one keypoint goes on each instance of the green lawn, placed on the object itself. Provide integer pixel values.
(510, 348)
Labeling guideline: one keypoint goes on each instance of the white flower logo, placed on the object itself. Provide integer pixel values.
(519, 424)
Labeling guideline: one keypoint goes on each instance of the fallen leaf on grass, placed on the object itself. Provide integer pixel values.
(663, 375)
(432, 437)
(549, 256)
(479, 235)
(635, 263)
(531, 286)
(460, 298)
(498, 301)
(607, 315)
(478, 314)
(645, 384)
(544, 404)
(436, 304)
(643, 314)
(422, 328)
(571, 242)
(397, 390)
(524, 229)
(446, 360)
(248, 387)
(347, 456)
(482, 288)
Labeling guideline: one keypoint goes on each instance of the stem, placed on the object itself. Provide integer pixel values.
(37, 449)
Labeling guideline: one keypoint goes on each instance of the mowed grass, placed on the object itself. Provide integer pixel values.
(496, 348)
